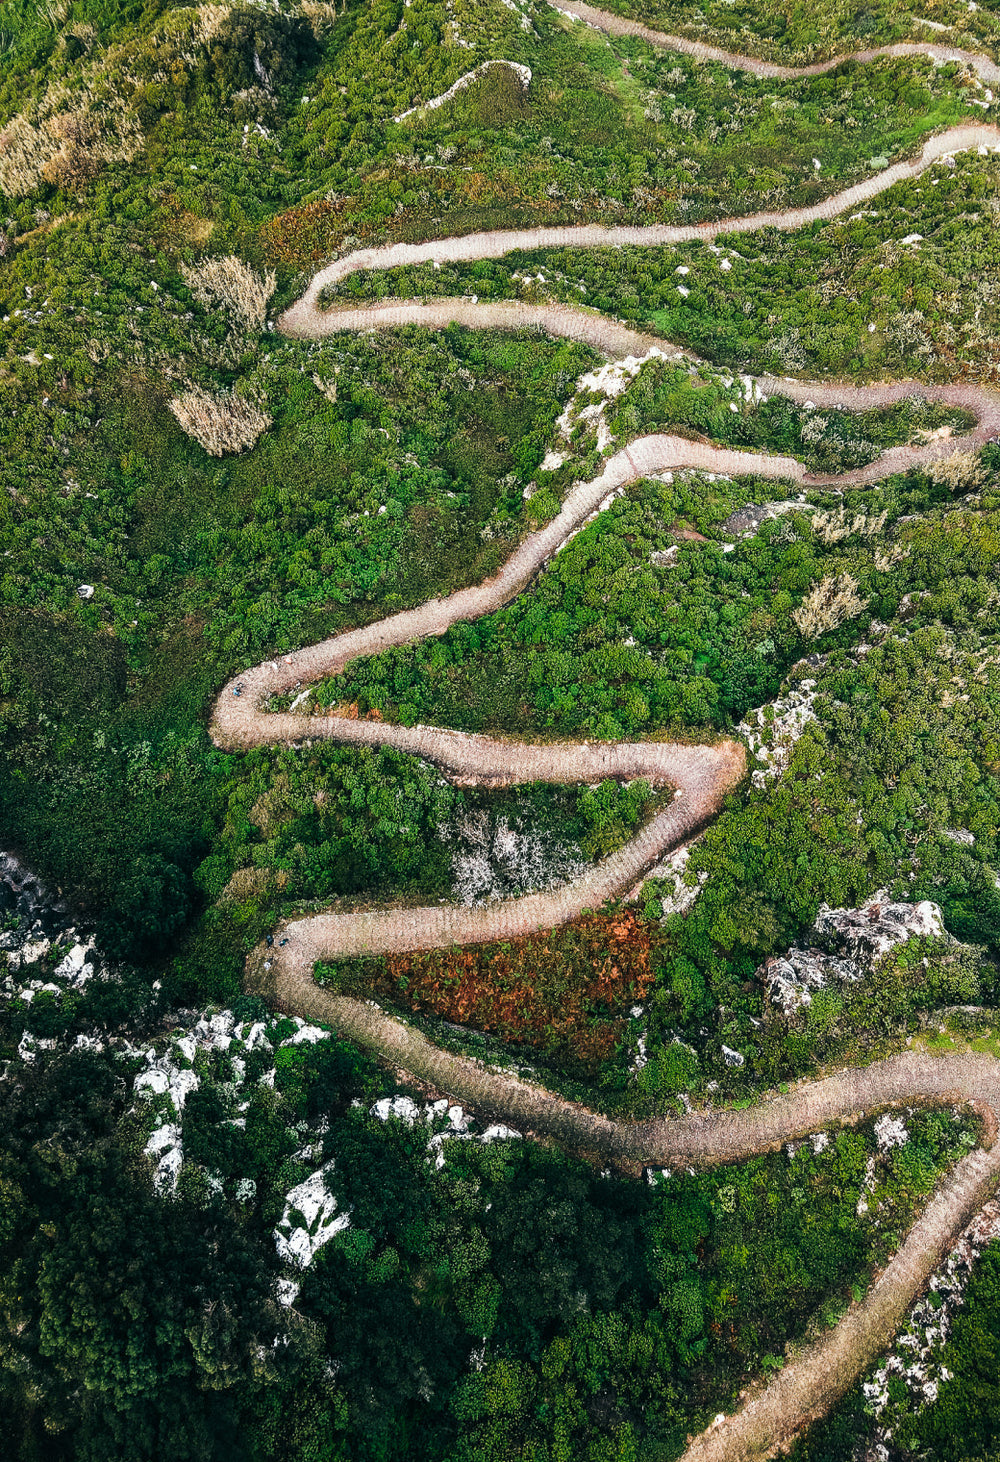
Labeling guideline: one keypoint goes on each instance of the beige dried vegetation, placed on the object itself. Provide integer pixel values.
(327, 387)
(962, 472)
(210, 18)
(64, 144)
(832, 527)
(220, 421)
(319, 13)
(233, 285)
(833, 600)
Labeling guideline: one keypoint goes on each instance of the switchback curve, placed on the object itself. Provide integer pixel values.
(770, 1415)
(302, 319)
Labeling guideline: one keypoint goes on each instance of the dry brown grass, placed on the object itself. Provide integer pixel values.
(833, 600)
(219, 421)
(319, 13)
(64, 146)
(962, 472)
(233, 285)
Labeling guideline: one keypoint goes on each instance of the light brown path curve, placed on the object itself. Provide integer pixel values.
(659, 452)
(702, 775)
(619, 25)
(301, 318)
(773, 1414)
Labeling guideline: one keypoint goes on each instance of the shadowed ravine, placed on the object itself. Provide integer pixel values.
(772, 1413)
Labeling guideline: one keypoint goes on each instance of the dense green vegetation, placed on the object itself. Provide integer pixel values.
(602, 1314)
(513, 1303)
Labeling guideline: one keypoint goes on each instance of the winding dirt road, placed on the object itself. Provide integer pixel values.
(304, 318)
(618, 25)
(772, 1414)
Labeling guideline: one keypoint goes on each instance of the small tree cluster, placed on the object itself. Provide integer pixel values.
(233, 285)
(220, 421)
(833, 600)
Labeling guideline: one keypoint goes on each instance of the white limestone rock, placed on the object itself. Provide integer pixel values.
(771, 731)
(854, 940)
(879, 926)
(310, 1219)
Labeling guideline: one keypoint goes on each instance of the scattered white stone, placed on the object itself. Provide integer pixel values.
(30, 953)
(890, 1132)
(163, 1078)
(165, 1148)
(671, 870)
(771, 731)
(459, 1125)
(306, 1035)
(868, 933)
(77, 966)
(916, 1358)
(287, 1291)
(310, 1219)
(29, 1046)
(733, 1058)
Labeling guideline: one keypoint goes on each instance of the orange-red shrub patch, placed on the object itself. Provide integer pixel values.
(564, 990)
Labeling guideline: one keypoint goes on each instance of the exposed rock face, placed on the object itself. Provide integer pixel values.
(745, 522)
(771, 731)
(26, 905)
(872, 931)
(792, 978)
(848, 942)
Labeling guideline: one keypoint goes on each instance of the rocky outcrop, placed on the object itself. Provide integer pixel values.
(845, 946)
(771, 731)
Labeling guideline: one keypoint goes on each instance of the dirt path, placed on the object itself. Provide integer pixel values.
(702, 775)
(303, 318)
(659, 452)
(617, 25)
(772, 1414)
